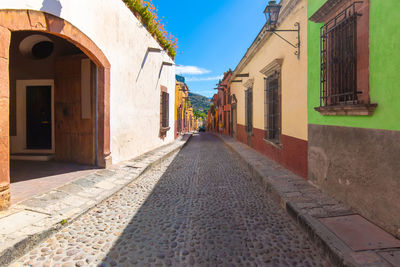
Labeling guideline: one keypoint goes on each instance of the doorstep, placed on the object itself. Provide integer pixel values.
(348, 238)
(29, 222)
(32, 157)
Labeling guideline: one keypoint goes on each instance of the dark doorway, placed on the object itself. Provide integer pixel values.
(38, 117)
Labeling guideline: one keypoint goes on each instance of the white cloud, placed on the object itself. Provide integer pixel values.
(202, 79)
(192, 70)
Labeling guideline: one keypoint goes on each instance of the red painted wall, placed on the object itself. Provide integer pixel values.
(292, 155)
(176, 135)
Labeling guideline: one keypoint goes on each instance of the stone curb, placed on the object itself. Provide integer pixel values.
(336, 249)
(23, 243)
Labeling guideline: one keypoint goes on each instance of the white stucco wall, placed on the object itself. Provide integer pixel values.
(135, 98)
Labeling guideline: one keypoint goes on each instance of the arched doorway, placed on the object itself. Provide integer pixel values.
(62, 133)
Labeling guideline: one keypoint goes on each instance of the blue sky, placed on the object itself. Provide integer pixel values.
(213, 36)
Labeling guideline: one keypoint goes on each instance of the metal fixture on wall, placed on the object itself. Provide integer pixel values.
(272, 15)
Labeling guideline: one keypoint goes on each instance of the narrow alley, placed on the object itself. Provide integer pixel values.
(200, 207)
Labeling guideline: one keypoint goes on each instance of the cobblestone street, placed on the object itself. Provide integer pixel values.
(200, 207)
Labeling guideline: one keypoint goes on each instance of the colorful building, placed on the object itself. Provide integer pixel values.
(190, 117)
(184, 115)
(224, 103)
(353, 105)
(213, 115)
(74, 89)
(180, 107)
(269, 90)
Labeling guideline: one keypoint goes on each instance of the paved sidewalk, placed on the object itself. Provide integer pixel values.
(28, 223)
(347, 237)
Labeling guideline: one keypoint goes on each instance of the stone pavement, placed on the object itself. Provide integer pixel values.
(29, 222)
(31, 178)
(349, 239)
(201, 207)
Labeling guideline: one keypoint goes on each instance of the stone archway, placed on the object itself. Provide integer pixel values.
(31, 20)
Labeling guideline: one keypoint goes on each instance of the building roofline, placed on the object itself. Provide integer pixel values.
(263, 36)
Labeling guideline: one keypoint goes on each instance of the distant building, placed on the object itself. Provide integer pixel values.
(225, 101)
(184, 115)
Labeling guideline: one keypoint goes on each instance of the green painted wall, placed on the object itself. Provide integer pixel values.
(384, 69)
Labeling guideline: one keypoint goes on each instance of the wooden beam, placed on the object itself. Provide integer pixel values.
(153, 49)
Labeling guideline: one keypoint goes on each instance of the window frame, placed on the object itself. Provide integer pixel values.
(164, 112)
(338, 45)
(276, 95)
(360, 104)
(249, 111)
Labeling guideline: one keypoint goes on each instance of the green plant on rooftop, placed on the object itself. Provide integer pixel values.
(148, 15)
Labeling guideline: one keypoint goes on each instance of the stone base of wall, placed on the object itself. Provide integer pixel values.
(4, 196)
(360, 167)
(292, 154)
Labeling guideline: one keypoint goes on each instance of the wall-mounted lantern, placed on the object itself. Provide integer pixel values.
(272, 15)
(272, 12)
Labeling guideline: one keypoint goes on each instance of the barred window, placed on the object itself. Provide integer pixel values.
(339, 59)
(164, 109)
(249, 110)
(272, 108)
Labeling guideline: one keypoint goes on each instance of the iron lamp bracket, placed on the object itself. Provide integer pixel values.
(296, 45)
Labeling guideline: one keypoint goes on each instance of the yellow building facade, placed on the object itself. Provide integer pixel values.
(184, 113)
(270, 85)
(180, 105)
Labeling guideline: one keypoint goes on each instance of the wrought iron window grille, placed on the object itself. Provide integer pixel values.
(249, 110)
(164, 110)
(338, 42)
(272, 112)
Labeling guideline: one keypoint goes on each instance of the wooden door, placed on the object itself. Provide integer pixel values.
(38, 117)
(75, 141)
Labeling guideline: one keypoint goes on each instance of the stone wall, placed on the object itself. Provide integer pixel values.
(360, 167)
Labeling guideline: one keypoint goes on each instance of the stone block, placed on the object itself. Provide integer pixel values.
(37, 20)
(4, 151)
(4, 122)
(4, 196)
(4, 172)
(368, 258)
(15, 20)
(55, 24)
(4, 78)
(5, 37)
(19, 221)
